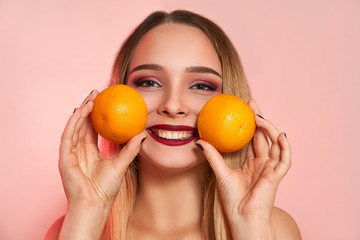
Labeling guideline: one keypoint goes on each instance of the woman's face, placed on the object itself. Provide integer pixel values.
(176, 70)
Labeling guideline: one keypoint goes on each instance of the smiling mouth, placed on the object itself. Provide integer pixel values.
(173, 135)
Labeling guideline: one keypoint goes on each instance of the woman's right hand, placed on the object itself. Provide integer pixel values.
(89, 179)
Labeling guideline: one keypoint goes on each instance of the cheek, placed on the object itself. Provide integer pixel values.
(198, 106)
(152, 101)
(196, 103)
(149, 97)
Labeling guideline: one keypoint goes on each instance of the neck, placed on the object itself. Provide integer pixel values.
(169, 201)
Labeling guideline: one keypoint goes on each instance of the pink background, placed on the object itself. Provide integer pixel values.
(302, 59)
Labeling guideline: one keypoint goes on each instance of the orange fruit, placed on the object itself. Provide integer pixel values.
(119, 113)
(226, 122)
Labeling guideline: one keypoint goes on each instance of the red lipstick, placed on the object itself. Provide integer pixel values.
(172, 135)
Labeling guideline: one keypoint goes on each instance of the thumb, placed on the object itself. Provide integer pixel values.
(216, 161)
(128, 153)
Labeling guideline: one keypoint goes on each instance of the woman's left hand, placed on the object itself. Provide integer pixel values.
(247, 195)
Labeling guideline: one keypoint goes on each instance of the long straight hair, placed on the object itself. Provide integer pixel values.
(213, 225)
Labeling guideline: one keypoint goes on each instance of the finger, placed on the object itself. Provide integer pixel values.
(285, 156)
(91, 136)
(79, 127)
(260, 140)
(88, 133)
(250, 152)
(128, 153)
(215, 159)
(82, 128)
(86, 108)
(91, 97)
(69, 131)
(273, 134)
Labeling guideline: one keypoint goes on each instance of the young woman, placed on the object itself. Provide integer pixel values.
(173, 188)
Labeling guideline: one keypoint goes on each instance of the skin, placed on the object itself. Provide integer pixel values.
(169, 196)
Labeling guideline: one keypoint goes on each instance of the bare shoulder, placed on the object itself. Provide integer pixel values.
(54, 230)
(285, 226)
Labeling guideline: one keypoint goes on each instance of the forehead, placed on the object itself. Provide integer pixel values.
(177, 44)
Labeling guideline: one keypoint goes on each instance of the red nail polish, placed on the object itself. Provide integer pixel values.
(260, 116)
(143, 140)
(199, 146)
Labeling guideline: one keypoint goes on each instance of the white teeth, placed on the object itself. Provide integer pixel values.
(173, 135)
(163, 134)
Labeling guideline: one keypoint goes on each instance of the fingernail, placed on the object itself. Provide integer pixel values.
(74, 110)
(199, 146)
(260, 116)
(91, 92)
(143, 140)
(285, 135)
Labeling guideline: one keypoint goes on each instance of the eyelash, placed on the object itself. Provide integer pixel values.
(151, 83)
(146, 83)
(203, 87)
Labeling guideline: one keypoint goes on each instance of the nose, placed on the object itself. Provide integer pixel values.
(173, 106)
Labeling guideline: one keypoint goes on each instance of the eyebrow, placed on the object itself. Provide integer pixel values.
(155, 67)
(201, 69)
(191, 69)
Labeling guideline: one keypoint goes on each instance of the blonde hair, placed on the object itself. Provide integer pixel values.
(213, 223)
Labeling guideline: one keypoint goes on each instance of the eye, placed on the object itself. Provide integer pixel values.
(202, 86)
(147, 83)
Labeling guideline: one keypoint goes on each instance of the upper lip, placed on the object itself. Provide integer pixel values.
(172, 127)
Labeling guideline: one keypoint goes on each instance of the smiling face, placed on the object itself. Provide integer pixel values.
(176, 70)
